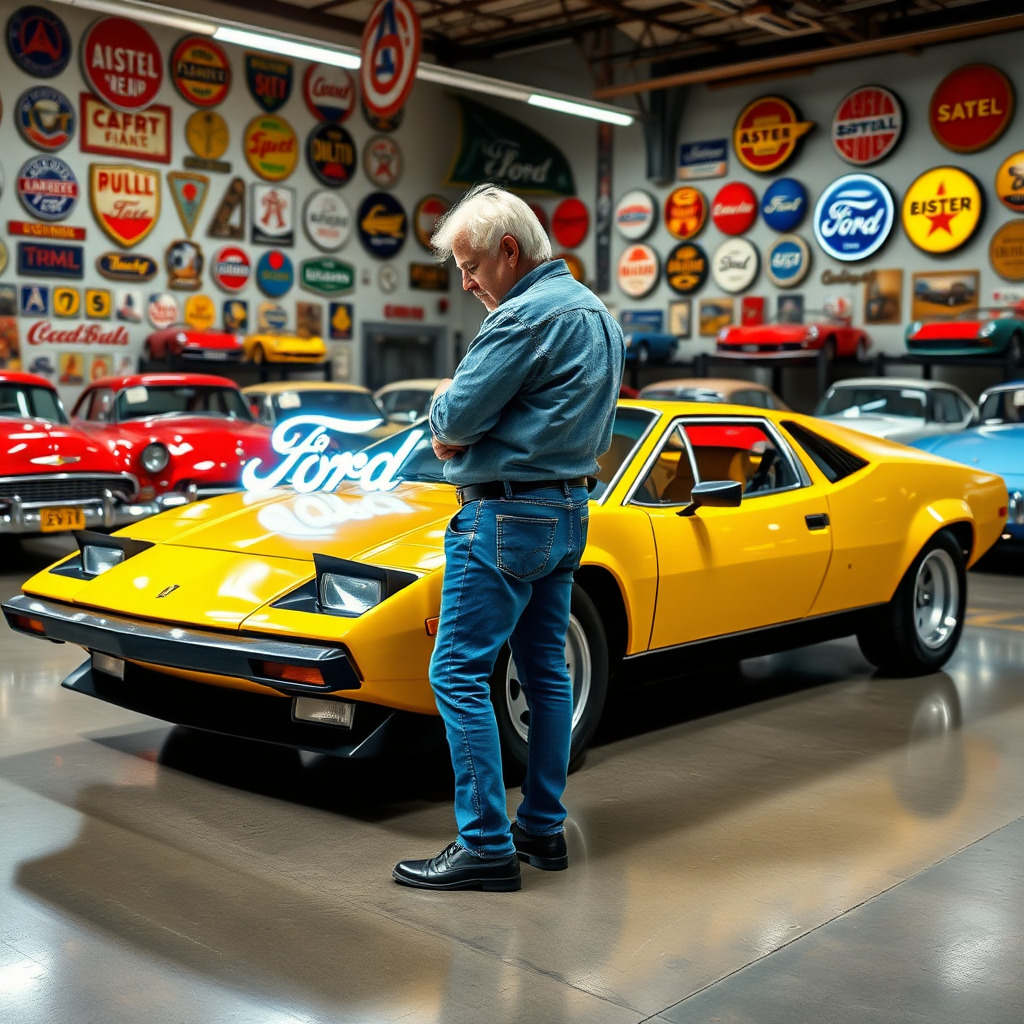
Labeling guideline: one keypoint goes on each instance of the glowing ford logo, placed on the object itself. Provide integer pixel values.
(302, 442)
(853, 217)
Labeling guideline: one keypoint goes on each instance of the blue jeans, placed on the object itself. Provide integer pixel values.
(508, 577)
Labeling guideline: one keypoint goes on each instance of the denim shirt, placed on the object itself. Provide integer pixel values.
(535, 394)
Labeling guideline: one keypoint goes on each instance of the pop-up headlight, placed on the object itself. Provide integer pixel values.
(97, 559)
(351, 588)
(98, 553)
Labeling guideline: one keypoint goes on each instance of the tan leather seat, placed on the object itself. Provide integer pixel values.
(724, 464)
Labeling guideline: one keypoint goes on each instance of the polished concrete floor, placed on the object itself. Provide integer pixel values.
(800, 843)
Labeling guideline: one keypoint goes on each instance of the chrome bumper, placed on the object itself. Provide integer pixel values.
(17, 517)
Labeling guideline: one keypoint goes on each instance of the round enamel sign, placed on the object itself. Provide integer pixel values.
(382, 224)
(942, 209)
(1006, 251)
(971, 108)
(329, 92)
(390, 55)
(867, 125)
(635, 215)
(1010, 182)
(638, 271)
(45, 118)
(331, 153)
(382, 161)
(686, 268)
(201, 71)
(327, 220)
(207, 135)
(686, 209)
(48, 188)
(784, 204)
(271, 148)
(122, 64)
(162, 310)
(787, 262)
(735, 265)
(428, 211)
(38, 41)
(231, 268)
(570, 223)
(767, 132)
(274, 274)
(853, 217)
(734, 209)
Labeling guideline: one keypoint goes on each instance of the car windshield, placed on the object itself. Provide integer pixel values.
(1003, 406)
(685, 394)
(871, 401)
(994, 313)
(805, 316)
(343, 404)
(422, 464)
(406, 403)
(18, 401)
(144, 401)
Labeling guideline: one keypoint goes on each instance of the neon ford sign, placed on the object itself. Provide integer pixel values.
(302, 442)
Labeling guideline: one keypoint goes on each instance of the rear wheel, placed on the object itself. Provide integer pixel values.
(918, 630)
(829, 349)
(259, 357)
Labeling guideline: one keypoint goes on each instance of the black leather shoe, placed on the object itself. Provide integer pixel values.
(456, 868)
(545, 852)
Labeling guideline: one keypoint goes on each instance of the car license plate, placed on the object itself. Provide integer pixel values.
(54, 520)
(216, 355)
(749, 348)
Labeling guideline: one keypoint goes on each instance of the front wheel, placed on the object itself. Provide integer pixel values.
(918, 630)
(259, 357)
(586, 659)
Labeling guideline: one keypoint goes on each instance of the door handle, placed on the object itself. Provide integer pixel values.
(817, 521)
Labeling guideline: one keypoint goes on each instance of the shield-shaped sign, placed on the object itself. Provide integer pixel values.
(125, 201)
(189, 193)
(269, 79)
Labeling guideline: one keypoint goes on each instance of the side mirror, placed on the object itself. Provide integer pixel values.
(714, 494)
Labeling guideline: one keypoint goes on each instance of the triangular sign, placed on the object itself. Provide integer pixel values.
(189, 193)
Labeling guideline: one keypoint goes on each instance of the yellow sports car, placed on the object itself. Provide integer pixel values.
(282, 347)
(306, 617)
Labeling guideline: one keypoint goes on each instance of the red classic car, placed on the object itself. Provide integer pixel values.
(182, 341)
(52, 476)
(796, 335)
(184, 435)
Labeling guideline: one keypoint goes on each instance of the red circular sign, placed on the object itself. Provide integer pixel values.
(569, 223)
(231, 268)
(122, 63)
(867, 125)
(734, 209)
(686, 209)
(390, 55)
(971, 108)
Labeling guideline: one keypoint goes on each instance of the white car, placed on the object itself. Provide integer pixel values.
(900, 409)
(406, 401)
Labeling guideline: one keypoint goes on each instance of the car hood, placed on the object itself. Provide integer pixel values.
(230, 556)
(945, 329)
(998, 448)
(40, 446)
(771, 333)
(895, 428)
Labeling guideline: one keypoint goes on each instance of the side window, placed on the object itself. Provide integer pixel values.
(750, 396)
(254, 399)
(744, 452)
(946, 407)
(671, 477)
(100, 406)
(965, 409)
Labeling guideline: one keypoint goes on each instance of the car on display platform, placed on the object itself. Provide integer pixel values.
(183, 435)
(994, 444)
(53, 477)
(181, 342)
(795, 334)
(307, 617)
(643, 347)
(997, 332)
(898, 408)
(721, 390)
(954, 293)
(406, 401)
(283, 347)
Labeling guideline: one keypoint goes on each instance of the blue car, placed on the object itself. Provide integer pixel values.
(995, 444)
(649, 346)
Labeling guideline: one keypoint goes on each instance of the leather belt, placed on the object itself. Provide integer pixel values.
(496, 488)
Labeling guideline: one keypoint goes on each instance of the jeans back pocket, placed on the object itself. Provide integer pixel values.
(524, 544)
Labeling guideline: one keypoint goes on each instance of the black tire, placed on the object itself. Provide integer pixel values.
(643, 354)
(861, 351)
(259, 357)
(829, 348)
(586, 628)
(903, 638)
(1015, 351)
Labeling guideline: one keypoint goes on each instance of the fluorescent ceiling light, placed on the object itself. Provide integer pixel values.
(144, 12)
(599, 112)
(287, 47)
(473, 83)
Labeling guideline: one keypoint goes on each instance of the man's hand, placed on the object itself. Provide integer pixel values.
(446, 451)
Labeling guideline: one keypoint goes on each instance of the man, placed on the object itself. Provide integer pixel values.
(520, 426)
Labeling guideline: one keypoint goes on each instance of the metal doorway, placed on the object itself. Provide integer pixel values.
(400, 351)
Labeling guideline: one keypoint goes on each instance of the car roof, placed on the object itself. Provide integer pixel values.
(727, 385)
(17, 377)
(276, 387)
(156, 380)
(1010, 385)
(423, 383)
(895, 382)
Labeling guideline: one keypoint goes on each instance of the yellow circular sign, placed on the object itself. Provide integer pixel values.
(271, 147)
(942, 209)
(1006, 251)
(207, 135)
(1010, 182)
(200, 312)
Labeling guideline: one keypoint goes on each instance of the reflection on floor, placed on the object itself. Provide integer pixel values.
(796, 842)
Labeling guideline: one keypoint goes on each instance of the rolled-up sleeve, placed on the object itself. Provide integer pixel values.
(498, 363)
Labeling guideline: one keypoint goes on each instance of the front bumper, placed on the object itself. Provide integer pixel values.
(732, 352)
(110, 513)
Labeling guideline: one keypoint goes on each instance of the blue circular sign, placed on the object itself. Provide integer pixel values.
(787, 261)
(38, 41)
(274, 274)
(853, 217)
(784, 204)
(48, 188)
(45, 118)
(382, 224)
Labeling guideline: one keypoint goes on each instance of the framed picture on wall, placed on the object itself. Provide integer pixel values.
(714, 315)
(943, 293)
(790, 309)
(309, 319)
(341, 361)
(883, 297)
(680, 320)
(752, 310)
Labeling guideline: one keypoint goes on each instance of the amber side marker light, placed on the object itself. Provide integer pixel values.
(23, 622)
(431, 625)
(290, 673)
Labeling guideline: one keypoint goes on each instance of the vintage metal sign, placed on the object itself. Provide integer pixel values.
(735, 264)
(45, 118)
(184, 266)
(784, 204)
(734, 209)
(122, 64)
(942, 209)
(229, 218)
(699, 160)
(329, 92)
(271, 147)
(118, 266)
(128, 305)
(200, 312)
(272, 317)
(767, 133)
(98, 303)
(201, 71)
(570, 223)
(686, 268)
(867, 125)
(686, 209)
(428, 277)
(35, 300)
(636, 214)
(327, 276)
(429, 210)
(787, 261)
(327, 220)
(382, 224)
(971, 108)
(273, 215)
(125, 201)
(331, 153)
(853, 217)
(188, 191)
(274, 274)
(162, 310)
(1006, 251)
(42, 332)
(382, 161)
(31, 229)
(1010, 182)
(141, 136)
(390, 55)
(207, 135)
(235, 315)
(638, 270)
(47, 188)
(38, 259)
(496, 147)
(231, 268)
(67, 303)
(341, 318)
(38, 41)
(269, 80)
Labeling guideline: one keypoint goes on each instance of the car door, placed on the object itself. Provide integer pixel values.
(726, 570)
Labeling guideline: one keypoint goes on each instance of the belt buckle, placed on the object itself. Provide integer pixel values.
(458, 496)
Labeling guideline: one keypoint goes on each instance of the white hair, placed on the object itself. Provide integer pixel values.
(485, 214)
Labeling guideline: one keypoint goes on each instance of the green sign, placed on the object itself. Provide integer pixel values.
(496, 147)
(327, 276)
